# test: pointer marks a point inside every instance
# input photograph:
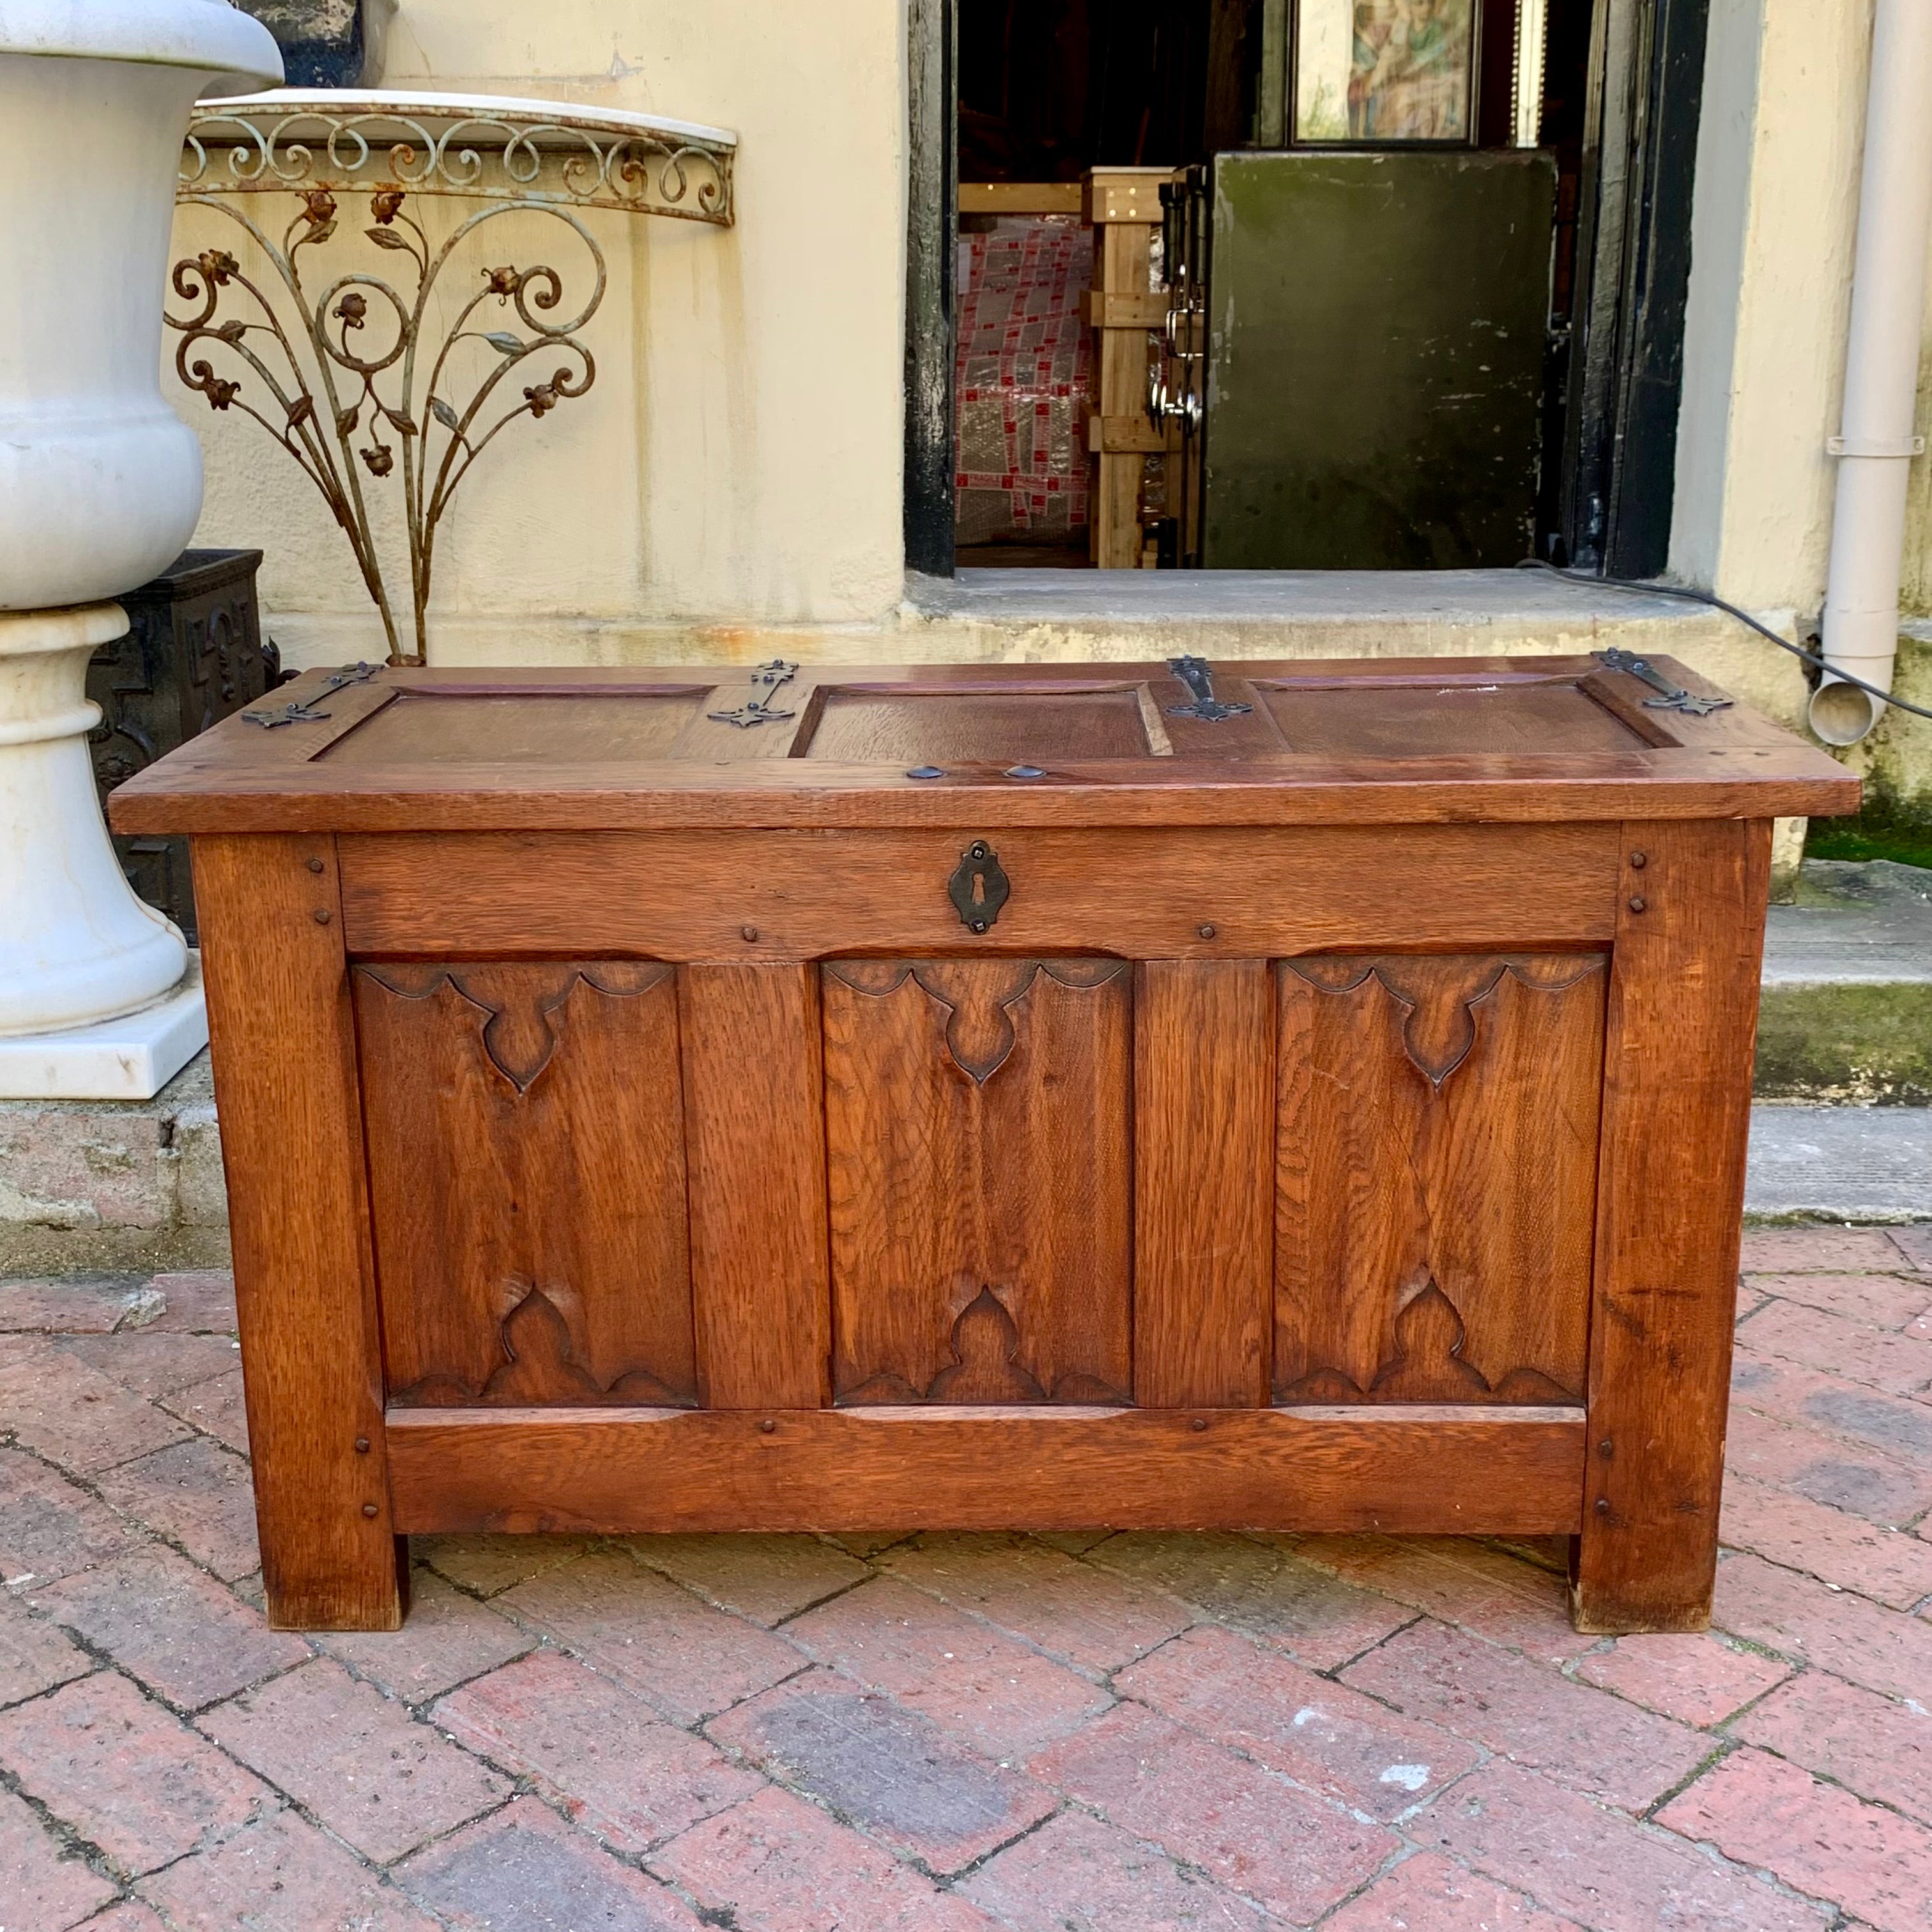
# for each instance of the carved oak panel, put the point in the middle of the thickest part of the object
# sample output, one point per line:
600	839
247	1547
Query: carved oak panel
978	1127
525	1127
1436	1185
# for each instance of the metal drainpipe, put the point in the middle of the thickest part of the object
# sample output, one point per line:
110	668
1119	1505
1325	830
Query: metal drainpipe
1877	445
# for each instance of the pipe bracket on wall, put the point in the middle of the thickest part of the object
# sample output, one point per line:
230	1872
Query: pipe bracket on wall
1849	445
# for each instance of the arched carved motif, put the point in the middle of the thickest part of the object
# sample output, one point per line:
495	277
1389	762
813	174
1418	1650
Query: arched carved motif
1440	996
548	1260
984	1368
979	1120
539	1369
1427	1365
978	996
525	1015
1436	1176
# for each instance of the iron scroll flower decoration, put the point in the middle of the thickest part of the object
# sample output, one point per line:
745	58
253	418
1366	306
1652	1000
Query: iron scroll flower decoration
370	386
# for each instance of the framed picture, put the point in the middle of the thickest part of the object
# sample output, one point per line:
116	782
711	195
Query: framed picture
1384	73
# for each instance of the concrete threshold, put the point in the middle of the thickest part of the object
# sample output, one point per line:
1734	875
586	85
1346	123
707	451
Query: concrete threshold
1050	617
1477	598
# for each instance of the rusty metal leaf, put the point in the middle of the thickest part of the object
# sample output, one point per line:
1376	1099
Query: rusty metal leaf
320	232
406	424
444	414
387	238
345	420
232	331
504	343
301	410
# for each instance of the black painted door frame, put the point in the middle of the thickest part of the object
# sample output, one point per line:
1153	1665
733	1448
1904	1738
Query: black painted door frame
932	228
1633	279
1626	352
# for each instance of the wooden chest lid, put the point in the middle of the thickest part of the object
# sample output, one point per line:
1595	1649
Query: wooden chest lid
1387	741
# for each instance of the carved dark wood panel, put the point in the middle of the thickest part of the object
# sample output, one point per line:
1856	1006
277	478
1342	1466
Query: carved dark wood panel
978	1127
1436	1182
526	1137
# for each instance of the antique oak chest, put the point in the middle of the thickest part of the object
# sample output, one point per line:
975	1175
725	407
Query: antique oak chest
1291	1096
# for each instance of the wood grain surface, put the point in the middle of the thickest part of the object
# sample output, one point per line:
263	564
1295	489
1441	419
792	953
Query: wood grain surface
1499	1472
285	1078
722	895
1682	1027
754	1100
1437	1180
978	1142
526	1159
1204	1169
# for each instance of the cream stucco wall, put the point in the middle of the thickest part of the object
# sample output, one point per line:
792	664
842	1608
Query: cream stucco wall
738	463
1781	149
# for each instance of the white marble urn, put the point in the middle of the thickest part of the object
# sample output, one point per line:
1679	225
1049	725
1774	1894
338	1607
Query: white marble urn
99	480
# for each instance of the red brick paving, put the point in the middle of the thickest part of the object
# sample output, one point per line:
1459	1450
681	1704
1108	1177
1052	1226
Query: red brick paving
449	1639
355	1759
279	1875
1873	1745
1003	1698
1250	1830
766	1578
1429	1893
1263	1590
125	1775
153	1362
214	1407
1891	1301
685	1658
78	1418
170	1626
1531	1714
131	1916
1080	1871
197	1494
602	1756
1700	1679
1816	1838
33	1656
1326	1736
884	1733
1070	1610
525	1869
885	1768
775	1864
1853	1477
41	1881
1900	1364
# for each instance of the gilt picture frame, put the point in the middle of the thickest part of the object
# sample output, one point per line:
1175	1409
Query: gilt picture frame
1384	73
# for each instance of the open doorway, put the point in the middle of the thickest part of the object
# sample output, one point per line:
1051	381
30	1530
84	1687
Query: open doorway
1048	91
1035	94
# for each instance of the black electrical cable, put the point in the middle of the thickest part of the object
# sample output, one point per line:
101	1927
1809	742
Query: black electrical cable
1684	595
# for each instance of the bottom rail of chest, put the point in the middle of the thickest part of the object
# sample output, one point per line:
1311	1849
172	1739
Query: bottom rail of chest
1410	1470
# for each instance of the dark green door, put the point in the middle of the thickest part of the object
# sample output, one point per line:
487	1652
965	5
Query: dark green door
1378	328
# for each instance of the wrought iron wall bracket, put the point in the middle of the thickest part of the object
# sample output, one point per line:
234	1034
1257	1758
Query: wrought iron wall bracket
357	377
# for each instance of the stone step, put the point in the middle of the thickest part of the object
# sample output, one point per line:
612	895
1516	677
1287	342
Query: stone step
1840	1164
1846	1014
